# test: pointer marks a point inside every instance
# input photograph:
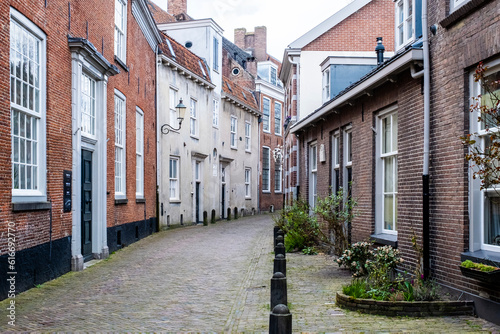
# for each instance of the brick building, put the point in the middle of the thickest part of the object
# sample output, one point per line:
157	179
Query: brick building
396	132
74	80
270	95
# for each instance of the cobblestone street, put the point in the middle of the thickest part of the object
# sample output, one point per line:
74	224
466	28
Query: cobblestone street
205	279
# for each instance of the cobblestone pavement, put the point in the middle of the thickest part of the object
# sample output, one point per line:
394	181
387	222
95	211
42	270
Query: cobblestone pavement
204	279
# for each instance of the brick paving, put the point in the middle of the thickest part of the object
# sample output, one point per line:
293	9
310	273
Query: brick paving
205	279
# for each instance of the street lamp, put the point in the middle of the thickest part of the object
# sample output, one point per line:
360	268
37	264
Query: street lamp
166	128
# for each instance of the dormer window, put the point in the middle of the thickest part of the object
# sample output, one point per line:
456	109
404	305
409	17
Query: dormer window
404	22
455	4
269	72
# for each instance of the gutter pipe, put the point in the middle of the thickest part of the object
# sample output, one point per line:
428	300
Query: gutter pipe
297	161
425	173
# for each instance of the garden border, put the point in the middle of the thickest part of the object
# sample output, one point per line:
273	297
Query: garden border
402	308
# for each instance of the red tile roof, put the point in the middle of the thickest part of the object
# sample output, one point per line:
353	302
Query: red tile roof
159	14
239	94
183	57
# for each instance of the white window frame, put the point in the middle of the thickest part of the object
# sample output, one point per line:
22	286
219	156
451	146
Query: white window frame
38	191
121	31
215	120
248	182
313	173
234	132
479	200
455	4
248	134
266	122
174	122
336	160
347	151
278	116
216	54
139	153
120	113
266	170
174	179
326	85
193	118
406	22
277	178
383	158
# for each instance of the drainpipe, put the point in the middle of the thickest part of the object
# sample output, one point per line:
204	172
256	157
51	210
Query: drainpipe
296	140
158	137
425	174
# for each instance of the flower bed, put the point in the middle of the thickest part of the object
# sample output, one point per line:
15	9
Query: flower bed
402	308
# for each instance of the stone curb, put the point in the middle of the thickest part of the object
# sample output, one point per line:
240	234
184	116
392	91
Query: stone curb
403	308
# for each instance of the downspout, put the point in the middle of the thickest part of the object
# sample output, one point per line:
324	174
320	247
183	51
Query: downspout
297	161
158	134
425	174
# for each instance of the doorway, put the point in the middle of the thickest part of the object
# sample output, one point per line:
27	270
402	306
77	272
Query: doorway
86	205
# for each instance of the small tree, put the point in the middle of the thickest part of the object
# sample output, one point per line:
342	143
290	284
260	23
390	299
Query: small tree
337	210
485	158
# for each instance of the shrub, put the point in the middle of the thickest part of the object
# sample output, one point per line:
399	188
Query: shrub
355	258
381	266
356	289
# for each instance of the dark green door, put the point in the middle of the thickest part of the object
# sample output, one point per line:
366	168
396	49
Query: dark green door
197	199
86	205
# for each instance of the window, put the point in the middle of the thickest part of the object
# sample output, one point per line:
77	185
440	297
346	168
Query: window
234	125
266	111
484	204
174	122
248	143
455	4
120	29
139	154
216	54
266	166
313	174
326	85
277	118
120	158
174	179
277	177
248	179
27	103
336	162
387	172
404	22
197	171
348	160
267	71
273	75
87	96
193	119
215	120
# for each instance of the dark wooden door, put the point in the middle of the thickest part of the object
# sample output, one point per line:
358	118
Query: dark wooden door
223	204
86	205
197	202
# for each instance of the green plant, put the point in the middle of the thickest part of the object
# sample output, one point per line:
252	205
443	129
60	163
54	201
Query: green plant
356	289
381	267
337	210
408	291
478	266
355	258
309	251
301	229
427	290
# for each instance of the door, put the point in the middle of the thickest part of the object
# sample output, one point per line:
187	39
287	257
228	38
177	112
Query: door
86	205
223	192
197	204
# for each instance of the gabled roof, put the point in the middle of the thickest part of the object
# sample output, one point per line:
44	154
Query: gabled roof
159	15
146	22
185	58
239	95
329	23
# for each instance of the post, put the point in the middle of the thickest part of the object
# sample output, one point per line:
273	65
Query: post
279	249
279	239
278	290
280	264
280	320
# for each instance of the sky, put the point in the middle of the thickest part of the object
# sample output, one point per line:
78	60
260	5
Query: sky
285	20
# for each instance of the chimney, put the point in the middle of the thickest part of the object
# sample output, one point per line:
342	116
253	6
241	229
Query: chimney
176	7
260	44
379	50
239	37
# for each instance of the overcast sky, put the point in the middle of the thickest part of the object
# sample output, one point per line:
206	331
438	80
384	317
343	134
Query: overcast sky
285	20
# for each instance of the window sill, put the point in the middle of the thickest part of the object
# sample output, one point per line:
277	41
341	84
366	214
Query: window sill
278	192
175	201
250	152
120	201
121	63
34	206
482	256
248	198
195	137
266	191
234	148
385	239
140	200
461	12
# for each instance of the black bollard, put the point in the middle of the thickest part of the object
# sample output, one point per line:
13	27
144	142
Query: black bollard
280	232
278	290
279	239
276	228
279	249
279	264
280	320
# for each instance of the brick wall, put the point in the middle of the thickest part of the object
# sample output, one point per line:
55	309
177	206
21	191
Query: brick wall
359	31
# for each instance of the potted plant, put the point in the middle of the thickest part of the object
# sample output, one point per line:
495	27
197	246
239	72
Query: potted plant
480	271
